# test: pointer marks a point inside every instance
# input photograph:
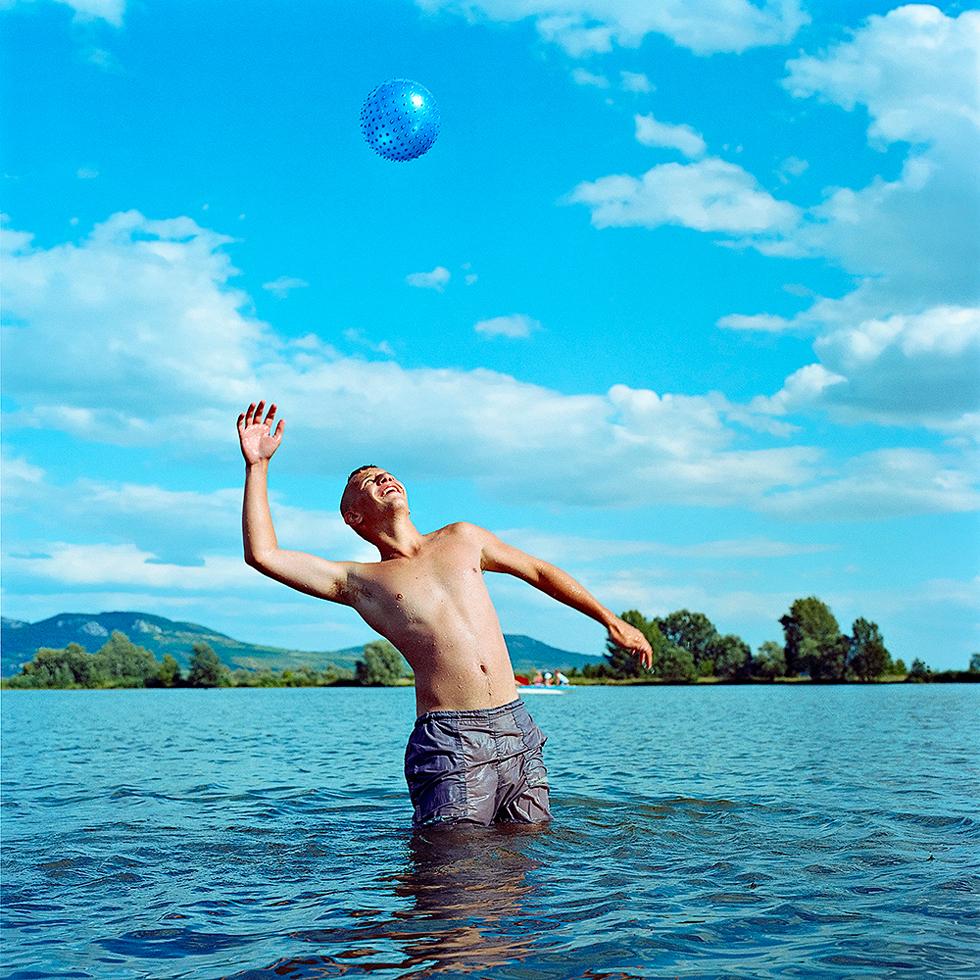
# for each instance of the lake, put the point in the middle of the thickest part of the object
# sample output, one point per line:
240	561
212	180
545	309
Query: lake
699	832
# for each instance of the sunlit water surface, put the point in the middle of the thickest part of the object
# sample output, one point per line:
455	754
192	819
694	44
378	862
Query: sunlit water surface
755	832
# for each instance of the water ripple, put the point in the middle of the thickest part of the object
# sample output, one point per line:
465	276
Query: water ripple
727	850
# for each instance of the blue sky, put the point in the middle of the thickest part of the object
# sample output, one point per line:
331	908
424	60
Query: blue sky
683	299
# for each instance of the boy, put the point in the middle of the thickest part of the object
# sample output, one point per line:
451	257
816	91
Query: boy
474	754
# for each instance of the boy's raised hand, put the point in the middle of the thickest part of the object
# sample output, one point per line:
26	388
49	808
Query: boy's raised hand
257	439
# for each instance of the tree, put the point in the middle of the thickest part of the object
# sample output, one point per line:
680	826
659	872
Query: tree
124	664
899	666
674	664
813	641
382	665
974	663
206	669
694	632
732	657
919	671
769	661
65	668
169	673
868	657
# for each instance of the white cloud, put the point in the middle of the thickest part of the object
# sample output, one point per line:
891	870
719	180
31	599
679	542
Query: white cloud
86	173
635	81
514	325
146	309
20	480
565	549
913	369
799	390
111	11
357	337
587	26
905	338
791	167
436	279
651	132
917	370
760	322
284	285
582	77
882	484
125	564
914	68
710	195
915	72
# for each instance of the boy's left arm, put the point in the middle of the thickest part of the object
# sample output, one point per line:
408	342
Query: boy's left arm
497	556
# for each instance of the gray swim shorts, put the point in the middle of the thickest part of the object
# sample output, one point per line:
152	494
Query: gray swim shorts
481	766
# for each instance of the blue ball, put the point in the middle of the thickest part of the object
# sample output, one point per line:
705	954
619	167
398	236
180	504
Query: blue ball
400	119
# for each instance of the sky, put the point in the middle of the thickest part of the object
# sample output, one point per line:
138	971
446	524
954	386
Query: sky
684	299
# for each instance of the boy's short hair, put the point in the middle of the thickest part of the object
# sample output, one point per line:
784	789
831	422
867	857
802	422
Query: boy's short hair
345	497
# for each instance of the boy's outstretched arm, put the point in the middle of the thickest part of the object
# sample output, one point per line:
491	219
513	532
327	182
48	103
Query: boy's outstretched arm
500	557
305	573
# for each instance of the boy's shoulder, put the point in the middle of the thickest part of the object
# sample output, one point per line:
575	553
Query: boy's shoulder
464	529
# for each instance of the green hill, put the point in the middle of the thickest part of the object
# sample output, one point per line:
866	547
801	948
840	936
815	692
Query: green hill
20	640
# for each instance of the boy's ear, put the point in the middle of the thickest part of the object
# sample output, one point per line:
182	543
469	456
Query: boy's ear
352	518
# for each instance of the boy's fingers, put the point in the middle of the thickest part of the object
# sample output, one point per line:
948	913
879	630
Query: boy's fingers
248	413
271	415
278	433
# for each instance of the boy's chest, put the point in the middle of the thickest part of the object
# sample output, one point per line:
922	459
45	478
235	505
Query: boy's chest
418	586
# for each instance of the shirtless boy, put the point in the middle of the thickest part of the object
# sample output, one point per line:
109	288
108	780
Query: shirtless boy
474	754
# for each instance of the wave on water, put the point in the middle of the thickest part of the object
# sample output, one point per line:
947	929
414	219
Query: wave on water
213	864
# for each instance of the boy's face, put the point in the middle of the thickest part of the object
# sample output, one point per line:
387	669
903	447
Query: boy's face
372	493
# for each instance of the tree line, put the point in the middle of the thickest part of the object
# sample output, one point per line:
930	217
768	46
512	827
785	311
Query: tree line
120	663
687	645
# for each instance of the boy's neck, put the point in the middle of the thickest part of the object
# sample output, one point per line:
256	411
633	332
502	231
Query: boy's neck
400	539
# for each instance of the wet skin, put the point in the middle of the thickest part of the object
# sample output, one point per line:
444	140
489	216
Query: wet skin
435	608
426	594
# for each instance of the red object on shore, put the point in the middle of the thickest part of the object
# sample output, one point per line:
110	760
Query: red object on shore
521	680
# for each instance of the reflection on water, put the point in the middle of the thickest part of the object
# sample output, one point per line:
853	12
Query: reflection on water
466	890
748	832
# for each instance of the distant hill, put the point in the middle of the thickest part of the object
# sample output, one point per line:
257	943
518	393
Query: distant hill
20	640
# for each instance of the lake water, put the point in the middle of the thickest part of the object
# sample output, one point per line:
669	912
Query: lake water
698	832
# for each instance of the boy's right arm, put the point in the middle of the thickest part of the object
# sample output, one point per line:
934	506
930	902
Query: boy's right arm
303	572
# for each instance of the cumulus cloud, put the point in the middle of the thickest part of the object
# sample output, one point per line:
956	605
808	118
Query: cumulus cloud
710	195
570	549
582	77
902	343
436	279
914	71
112	330
584	27
651	132
284	285
759	322
800	390
125	564
111	11
111	339
882	484
514	325
635	81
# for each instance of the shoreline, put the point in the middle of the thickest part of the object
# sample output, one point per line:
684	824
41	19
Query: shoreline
963	677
